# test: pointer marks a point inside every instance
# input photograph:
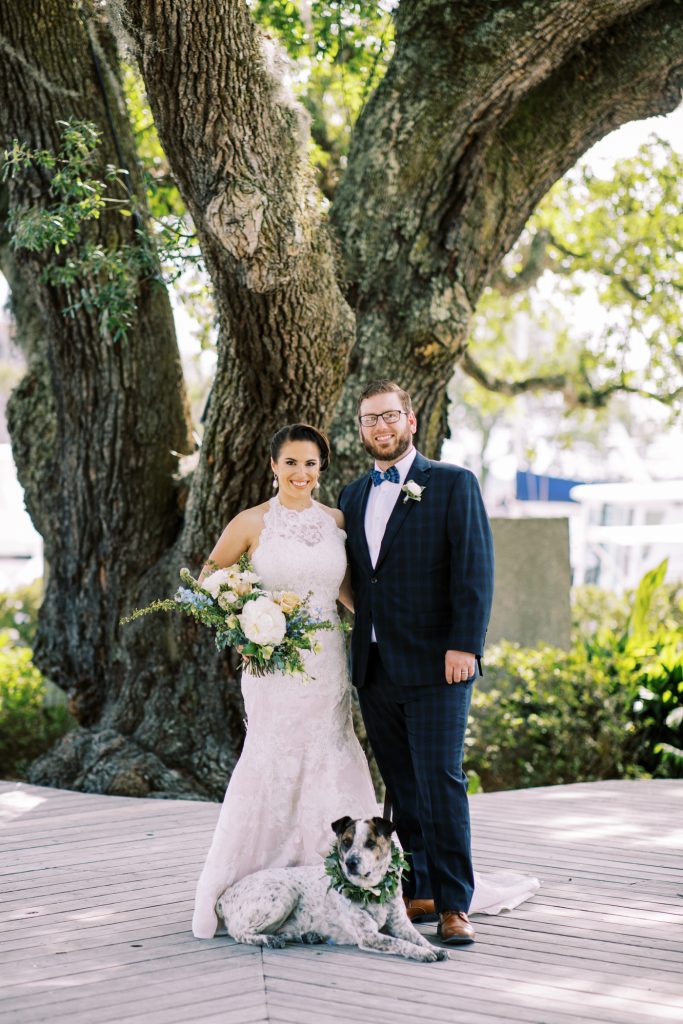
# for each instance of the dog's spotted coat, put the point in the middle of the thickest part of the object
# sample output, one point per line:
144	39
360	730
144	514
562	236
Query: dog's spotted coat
279	905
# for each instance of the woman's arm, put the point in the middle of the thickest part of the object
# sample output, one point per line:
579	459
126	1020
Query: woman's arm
236	538
345	591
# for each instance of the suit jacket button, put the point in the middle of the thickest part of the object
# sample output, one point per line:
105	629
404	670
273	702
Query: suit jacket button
373	579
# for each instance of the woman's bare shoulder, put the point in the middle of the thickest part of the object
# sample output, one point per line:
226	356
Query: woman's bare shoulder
254	514
246	523
334	513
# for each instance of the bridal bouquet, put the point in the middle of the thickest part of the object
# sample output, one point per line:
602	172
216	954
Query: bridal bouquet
269	629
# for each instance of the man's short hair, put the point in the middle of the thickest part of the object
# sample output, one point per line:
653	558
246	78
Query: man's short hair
386	387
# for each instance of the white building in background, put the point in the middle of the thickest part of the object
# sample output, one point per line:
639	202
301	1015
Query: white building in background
625	529
21	546
12	363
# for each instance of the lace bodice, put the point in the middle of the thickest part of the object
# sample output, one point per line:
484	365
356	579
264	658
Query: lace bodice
302	551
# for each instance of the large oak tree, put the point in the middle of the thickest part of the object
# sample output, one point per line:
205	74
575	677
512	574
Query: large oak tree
483	106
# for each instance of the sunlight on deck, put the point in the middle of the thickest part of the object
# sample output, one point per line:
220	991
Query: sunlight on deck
16	803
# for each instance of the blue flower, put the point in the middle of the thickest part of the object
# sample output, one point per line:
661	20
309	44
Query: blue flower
186	596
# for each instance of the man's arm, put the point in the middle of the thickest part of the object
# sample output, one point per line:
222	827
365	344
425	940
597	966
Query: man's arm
471	575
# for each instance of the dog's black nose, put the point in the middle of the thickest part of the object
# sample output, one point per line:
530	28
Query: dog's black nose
352	865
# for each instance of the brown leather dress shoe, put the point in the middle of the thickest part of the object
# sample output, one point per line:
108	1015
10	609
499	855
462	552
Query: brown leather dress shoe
420	910
455	928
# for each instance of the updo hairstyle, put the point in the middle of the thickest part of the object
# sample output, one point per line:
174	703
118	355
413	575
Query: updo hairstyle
301	432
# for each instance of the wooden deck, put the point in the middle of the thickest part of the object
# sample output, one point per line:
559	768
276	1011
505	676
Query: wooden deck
97	895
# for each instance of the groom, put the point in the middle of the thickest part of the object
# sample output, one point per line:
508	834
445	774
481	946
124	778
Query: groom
421	559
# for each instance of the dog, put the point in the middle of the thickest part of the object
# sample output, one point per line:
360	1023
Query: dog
301	904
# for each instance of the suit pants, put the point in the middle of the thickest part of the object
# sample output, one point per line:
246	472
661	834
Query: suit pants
417	736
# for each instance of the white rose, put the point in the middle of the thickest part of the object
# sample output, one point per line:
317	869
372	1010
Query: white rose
413	487
213	583
225	599
263	622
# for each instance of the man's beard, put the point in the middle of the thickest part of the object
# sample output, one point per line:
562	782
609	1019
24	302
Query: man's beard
403	443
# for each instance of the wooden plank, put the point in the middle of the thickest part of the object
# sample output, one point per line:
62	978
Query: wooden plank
522	1007
473	970
112	880
112	986
160	989
41	969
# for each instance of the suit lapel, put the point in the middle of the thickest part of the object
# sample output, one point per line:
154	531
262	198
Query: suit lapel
419	472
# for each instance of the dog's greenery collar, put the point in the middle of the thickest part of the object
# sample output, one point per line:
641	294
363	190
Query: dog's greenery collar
382	893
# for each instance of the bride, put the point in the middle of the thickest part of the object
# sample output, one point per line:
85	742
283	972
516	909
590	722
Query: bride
301	766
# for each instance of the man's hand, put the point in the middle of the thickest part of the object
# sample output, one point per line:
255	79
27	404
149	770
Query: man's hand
459	666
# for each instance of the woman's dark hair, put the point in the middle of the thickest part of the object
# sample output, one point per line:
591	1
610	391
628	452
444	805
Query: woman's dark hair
301	432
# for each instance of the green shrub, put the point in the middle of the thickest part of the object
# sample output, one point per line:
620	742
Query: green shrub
19	612
27	728
548	717
611	707
645	660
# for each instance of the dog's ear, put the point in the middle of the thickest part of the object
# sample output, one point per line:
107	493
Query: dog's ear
384	826
341	825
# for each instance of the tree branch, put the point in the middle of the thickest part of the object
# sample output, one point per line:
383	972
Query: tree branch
536	261
631	70
588	396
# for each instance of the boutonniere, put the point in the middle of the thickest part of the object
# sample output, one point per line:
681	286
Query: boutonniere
412	491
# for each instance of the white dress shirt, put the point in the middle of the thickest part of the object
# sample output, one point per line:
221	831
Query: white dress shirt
381	501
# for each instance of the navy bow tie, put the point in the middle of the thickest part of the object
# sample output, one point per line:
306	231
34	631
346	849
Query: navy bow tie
391	474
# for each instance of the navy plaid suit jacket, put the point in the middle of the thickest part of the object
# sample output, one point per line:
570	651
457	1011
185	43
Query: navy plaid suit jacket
432	587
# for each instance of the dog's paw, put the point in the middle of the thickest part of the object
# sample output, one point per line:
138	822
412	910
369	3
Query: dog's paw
430	956
274	942
312	938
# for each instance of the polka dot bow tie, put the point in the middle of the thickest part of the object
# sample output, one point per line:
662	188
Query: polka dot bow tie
391	474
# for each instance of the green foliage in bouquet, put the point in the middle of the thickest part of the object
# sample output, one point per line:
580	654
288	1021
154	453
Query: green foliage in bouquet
270	630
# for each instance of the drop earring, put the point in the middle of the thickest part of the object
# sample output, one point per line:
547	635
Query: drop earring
276	482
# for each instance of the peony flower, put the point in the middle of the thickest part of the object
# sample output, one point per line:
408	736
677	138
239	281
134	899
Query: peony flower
215	581
263	622
288	601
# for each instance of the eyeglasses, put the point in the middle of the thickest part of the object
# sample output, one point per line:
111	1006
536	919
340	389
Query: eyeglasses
390	416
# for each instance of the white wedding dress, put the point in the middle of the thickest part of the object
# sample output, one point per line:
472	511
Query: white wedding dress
302	766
